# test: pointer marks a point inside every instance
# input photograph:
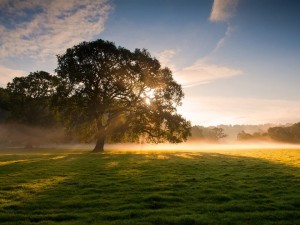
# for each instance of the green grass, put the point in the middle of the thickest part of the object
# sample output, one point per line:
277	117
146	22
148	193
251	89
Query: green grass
220	187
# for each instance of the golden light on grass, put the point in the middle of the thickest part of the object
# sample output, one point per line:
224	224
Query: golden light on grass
286	154
59	157
112	164
289	157
13	161
27	191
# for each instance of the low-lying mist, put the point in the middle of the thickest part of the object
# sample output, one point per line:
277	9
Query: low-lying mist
20	136
187	146
200	146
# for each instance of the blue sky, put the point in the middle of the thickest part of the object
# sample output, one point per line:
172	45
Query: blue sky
238	60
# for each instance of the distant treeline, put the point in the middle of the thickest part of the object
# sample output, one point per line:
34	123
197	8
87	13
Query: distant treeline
267	132
288	134
210	134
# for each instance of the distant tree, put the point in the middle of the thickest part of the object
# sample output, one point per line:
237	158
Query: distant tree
111	93
289	134
243	136
281	134
28	99
295	132
197	132
217	133
212	134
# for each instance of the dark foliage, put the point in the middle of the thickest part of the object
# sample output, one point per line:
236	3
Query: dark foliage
27	99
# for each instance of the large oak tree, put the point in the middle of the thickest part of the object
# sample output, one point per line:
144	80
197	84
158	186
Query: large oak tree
111	93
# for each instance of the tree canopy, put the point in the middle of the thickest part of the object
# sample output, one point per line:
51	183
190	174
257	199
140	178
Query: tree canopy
28	99
111	93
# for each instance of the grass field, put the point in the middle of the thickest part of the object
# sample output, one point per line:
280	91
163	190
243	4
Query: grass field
45	186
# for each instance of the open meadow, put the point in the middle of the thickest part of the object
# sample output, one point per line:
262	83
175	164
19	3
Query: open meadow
58	186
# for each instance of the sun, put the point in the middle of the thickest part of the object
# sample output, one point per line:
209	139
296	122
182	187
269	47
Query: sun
148	96
148	101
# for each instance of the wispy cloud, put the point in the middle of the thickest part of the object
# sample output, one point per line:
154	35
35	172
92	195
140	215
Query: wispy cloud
7	74
39	28
221	42
237	110
202	72
165	58
223	10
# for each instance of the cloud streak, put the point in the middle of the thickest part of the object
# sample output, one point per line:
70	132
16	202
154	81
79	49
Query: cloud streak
221	42
223	10
40	29
202	72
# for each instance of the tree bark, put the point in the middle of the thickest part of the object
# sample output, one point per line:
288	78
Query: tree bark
100	144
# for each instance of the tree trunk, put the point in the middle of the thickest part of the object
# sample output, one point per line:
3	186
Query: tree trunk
100	144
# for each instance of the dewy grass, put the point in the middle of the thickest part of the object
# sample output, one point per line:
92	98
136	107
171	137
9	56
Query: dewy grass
220	187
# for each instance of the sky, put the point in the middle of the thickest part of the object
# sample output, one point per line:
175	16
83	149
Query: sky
238	60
